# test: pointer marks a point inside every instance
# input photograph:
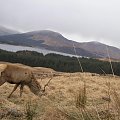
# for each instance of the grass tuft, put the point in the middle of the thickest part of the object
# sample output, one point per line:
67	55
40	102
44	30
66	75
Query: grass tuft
30	110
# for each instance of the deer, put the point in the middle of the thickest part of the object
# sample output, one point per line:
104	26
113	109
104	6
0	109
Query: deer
21	76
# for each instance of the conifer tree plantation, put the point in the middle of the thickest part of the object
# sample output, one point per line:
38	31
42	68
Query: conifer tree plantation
59	62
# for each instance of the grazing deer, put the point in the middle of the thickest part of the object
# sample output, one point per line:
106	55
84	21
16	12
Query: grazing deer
21	76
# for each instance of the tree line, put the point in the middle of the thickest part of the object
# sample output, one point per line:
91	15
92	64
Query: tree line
59	62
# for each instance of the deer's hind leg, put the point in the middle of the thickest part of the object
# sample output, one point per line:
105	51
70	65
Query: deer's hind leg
16	86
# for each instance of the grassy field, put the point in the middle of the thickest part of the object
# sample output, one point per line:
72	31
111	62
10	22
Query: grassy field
69	96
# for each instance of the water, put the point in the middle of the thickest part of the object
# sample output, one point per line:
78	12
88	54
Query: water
14	48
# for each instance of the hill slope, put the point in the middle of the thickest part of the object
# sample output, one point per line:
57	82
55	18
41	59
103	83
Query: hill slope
55	41
59	103
6	31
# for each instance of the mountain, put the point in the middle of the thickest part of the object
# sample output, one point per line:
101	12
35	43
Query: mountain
6	31
101	49
55	41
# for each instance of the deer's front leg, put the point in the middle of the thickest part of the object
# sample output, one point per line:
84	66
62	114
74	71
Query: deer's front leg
16	86
2	82
2	79
21	89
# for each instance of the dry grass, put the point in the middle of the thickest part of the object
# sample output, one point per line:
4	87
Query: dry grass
59	103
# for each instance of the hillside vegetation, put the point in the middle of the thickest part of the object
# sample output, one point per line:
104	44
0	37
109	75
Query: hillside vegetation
59	62
70	96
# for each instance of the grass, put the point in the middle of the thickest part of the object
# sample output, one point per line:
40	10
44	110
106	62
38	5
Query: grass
69	98
81	98
30	110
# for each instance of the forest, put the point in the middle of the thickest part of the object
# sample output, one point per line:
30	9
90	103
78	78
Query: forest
59	62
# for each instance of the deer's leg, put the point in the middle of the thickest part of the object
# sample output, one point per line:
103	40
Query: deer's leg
2	82
21	89
13	90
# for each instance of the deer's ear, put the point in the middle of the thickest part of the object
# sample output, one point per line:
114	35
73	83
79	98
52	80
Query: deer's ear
2	67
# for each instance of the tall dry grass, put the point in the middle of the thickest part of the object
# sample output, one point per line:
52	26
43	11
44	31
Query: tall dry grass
108	112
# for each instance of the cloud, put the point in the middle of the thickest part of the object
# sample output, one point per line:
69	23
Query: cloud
78	19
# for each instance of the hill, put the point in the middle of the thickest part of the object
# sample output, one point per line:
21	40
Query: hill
63	101
7	31
55	41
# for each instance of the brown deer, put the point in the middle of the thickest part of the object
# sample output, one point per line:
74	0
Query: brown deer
21	76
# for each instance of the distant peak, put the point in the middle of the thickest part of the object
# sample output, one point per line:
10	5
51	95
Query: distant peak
49	33
7	31
44	31
96	42
8	28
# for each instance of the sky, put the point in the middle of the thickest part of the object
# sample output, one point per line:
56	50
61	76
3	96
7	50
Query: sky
78	20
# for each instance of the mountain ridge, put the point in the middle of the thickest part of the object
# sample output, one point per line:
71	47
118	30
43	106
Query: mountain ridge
7	31
55	41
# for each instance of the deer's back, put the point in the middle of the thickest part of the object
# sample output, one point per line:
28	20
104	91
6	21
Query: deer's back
17	74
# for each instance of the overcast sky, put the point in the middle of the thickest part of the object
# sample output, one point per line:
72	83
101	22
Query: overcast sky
79	20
